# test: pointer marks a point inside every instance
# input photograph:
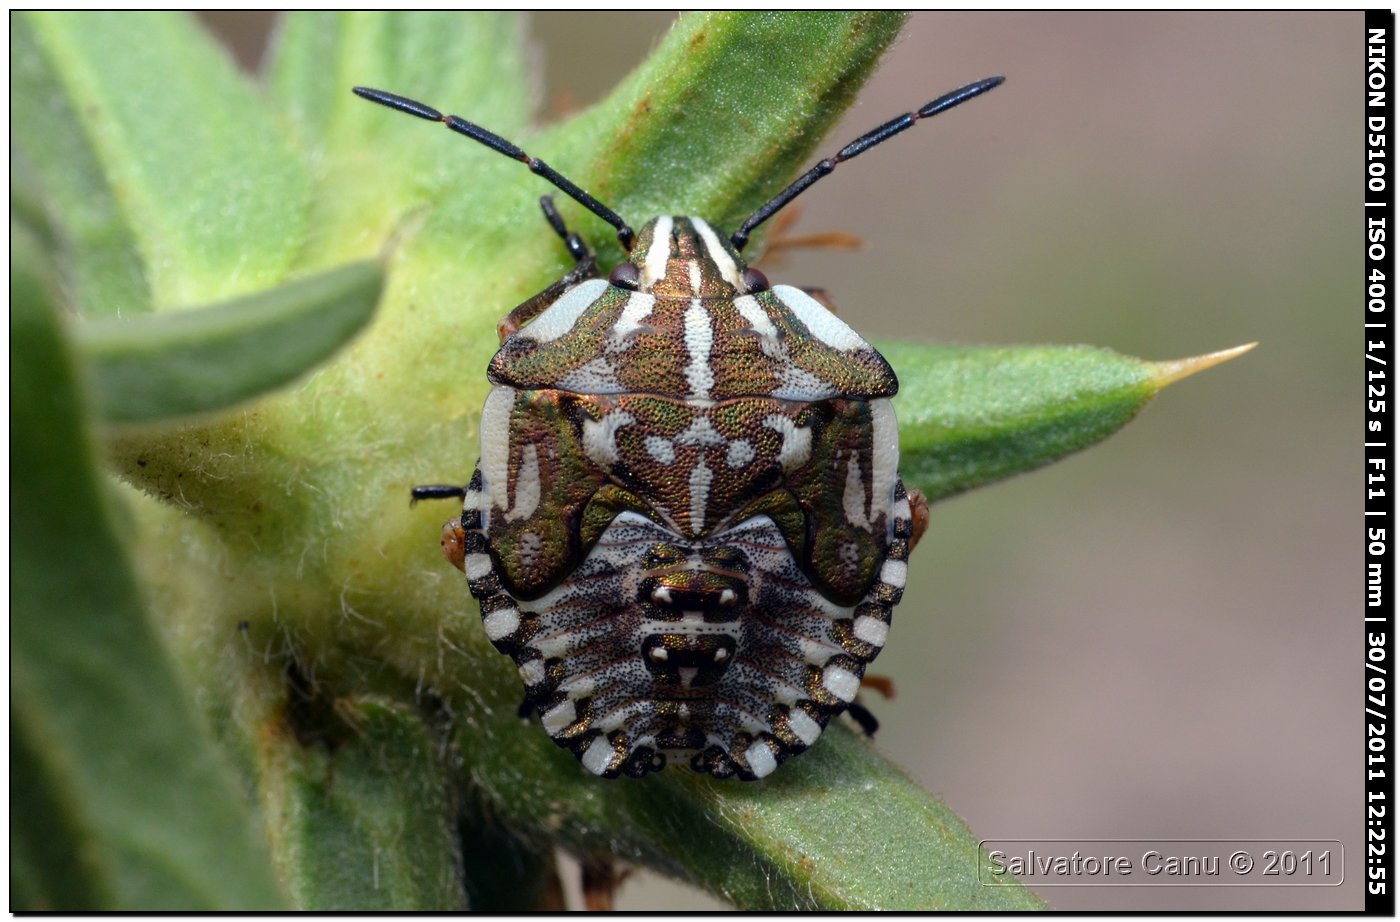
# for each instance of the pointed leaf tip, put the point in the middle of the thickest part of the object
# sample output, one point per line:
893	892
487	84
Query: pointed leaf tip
1164	373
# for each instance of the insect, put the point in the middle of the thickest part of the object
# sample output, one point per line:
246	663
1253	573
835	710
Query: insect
686	526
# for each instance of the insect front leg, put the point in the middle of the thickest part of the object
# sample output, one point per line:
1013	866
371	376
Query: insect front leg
585	267
454	536
918	510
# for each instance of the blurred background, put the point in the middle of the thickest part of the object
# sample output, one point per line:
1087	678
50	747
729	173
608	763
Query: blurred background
1161	638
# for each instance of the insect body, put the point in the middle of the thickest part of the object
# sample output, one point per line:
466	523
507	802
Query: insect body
687	526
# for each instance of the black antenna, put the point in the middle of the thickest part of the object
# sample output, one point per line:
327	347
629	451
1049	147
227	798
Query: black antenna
500	144
859	145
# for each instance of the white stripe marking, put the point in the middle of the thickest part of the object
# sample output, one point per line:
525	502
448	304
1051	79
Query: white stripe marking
478	566
595	376
723	261
853	499
661	450
694	270
495	443
884	457
700	432
700	478
740	453
820	322
749	308
638	307
527	486
654	266
559	318
699	338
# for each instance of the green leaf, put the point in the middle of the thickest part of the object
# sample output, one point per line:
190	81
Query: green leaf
123	802
175	364
970	415
472	63
60	171
164	170
362	817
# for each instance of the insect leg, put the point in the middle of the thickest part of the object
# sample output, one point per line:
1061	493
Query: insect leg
918	509
577	248
585	267
601	879
436	491
861	715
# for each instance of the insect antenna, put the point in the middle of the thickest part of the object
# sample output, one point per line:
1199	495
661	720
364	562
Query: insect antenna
499	144
861	144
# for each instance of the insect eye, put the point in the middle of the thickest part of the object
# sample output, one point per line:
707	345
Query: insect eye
754	281
625	275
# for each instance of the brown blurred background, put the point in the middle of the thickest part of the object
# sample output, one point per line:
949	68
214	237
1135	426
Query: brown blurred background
1160	638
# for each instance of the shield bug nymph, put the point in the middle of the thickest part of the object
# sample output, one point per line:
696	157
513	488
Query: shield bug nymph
686	526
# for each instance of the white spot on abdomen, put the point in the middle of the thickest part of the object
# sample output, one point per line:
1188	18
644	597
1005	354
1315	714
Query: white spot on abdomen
871	630
477	566
532	672
841	682
761	760
558	717
894	573
803	727
501	623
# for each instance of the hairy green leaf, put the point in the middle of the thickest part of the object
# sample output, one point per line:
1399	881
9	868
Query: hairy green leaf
123	801
144	133
972	415
178	363
371	166
362	808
